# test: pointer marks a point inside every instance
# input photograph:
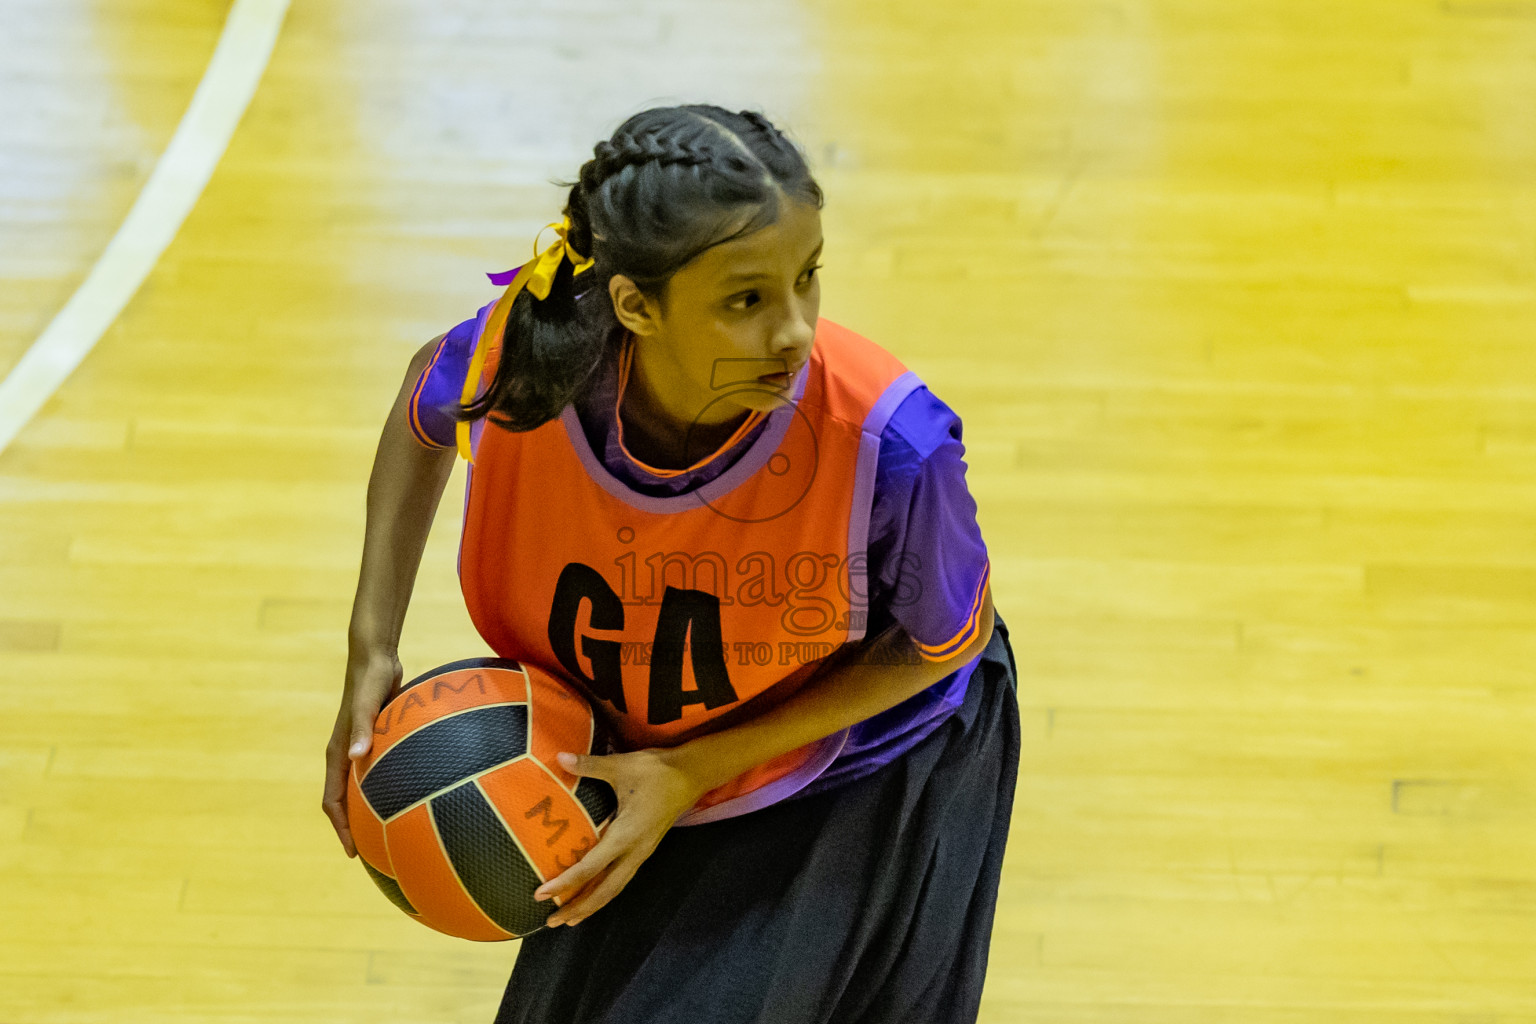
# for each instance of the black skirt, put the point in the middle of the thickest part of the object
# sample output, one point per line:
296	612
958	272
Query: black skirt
870	903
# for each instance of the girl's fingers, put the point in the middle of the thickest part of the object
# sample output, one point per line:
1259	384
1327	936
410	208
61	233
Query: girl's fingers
345	835
364	715
571	905
566	884
334	800
607	850
601	893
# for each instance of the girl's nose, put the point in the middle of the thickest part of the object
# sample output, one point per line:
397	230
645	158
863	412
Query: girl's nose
794	343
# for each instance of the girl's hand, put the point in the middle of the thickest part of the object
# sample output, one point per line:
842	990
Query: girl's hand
653	792
372	678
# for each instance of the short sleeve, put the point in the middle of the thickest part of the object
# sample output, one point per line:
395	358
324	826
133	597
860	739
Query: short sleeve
440	385
928	565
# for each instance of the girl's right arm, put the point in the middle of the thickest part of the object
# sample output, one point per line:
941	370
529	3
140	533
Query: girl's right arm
403	493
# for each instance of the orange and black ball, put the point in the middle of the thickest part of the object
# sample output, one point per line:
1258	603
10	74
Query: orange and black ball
460	809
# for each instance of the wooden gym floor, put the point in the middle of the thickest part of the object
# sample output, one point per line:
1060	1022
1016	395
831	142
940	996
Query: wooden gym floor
1237	302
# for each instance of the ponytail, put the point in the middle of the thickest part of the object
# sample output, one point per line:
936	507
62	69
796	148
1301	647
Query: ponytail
555	344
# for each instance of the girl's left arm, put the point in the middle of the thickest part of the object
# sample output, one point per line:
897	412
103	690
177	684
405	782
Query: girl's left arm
864	679
656	786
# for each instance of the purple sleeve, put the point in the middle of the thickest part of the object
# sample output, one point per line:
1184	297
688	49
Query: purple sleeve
927	562
440	385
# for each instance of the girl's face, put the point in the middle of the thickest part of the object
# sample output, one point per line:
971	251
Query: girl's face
739	322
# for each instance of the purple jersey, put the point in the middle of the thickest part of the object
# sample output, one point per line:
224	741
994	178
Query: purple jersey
927	563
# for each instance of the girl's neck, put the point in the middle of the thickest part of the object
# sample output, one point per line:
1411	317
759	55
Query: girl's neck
658	436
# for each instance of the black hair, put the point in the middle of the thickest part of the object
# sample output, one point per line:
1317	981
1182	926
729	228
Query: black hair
669	184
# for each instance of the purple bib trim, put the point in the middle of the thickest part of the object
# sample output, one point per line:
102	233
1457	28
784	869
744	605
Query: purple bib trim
763	447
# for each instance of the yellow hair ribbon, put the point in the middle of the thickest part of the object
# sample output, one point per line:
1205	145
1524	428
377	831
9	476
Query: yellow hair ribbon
537	275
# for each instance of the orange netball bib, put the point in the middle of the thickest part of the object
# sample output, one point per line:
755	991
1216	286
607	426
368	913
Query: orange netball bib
681	615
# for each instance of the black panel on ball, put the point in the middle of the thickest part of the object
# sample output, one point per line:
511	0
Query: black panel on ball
443	753
597	797
389	887
494	871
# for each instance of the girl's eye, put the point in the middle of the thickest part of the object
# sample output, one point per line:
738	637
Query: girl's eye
741	301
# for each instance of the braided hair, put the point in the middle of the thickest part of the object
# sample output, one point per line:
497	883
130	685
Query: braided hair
669	184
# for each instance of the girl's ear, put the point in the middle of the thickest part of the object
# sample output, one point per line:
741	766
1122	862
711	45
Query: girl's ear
633	309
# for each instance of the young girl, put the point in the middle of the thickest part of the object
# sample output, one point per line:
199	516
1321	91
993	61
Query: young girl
744	532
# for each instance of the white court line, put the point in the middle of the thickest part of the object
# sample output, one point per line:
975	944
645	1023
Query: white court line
244	47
